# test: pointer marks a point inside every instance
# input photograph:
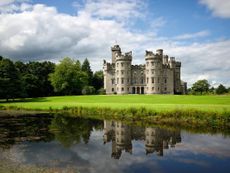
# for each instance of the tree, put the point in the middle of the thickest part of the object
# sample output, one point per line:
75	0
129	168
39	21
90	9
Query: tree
68	78
221	89
98	80
10	85
200	86
34	77
86	68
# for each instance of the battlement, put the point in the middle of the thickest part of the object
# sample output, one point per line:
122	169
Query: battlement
160	74
124	57
178	64
116	48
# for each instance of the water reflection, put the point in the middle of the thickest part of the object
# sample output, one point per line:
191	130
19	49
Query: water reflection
90	145
121	136
15	130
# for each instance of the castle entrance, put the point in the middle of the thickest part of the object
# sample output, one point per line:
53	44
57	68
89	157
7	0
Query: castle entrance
142	90
133	90
138	90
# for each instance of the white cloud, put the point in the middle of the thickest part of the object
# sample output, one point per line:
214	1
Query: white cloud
220	8
10	6
42	33
119	9
192	35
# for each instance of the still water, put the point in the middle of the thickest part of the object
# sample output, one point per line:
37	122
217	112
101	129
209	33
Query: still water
90	145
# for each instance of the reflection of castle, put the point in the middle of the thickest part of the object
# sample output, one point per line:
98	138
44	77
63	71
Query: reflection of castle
121	135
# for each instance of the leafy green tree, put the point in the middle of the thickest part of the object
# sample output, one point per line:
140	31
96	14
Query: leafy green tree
98	80
86	68
68	78
200	86
10	85
221	89
34	76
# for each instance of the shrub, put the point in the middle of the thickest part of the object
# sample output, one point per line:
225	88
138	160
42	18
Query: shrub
101	91
88	90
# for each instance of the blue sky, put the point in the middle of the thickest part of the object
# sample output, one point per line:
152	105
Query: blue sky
196	32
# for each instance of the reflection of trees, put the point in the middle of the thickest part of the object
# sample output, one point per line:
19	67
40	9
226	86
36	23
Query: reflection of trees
69	130
24	128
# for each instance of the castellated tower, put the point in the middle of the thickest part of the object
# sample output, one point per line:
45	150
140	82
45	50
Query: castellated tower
123	72
116	50
159	75
154	72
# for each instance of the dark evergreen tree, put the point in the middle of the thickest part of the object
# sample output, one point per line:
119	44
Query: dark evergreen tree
86	68
10	85
221	89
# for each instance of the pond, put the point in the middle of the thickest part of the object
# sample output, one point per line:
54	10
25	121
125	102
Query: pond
62	143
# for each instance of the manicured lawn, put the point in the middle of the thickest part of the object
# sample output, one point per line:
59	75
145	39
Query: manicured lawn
156	102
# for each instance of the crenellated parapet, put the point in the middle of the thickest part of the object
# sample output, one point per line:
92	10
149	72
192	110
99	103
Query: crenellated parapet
160	74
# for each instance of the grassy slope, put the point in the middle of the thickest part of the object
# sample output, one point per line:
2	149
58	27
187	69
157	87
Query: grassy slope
156	102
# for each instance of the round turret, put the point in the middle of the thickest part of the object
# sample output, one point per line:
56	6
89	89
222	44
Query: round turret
153	73
123	72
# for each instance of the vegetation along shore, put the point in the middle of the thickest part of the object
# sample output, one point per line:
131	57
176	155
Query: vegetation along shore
161	109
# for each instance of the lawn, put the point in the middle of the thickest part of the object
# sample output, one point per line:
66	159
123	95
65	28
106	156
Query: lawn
156	102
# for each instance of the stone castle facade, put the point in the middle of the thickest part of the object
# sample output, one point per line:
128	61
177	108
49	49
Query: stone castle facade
159	75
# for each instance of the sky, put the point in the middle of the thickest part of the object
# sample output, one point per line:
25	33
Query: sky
196	32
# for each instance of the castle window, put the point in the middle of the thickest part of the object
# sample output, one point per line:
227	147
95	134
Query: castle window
158	88
117	64
152	71
165	88
147	80
112	81
122	64
152	79
128	88
165	80
122	89
152	63
128	81
112	89
158	80
152	88
142	80
122	80
122	71
117	80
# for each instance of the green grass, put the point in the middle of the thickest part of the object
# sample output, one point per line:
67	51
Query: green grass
153	102
179	110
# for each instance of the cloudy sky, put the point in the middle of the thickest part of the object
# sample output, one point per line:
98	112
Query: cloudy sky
196	32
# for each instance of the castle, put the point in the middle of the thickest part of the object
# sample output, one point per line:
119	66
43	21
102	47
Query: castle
159	75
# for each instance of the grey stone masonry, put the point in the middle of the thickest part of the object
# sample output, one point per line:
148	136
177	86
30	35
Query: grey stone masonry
159	75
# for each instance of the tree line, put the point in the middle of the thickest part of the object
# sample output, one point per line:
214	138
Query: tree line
39	79
201	87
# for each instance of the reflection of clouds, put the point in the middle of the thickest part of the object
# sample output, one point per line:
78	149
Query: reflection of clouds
196	162
196	150
213	145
